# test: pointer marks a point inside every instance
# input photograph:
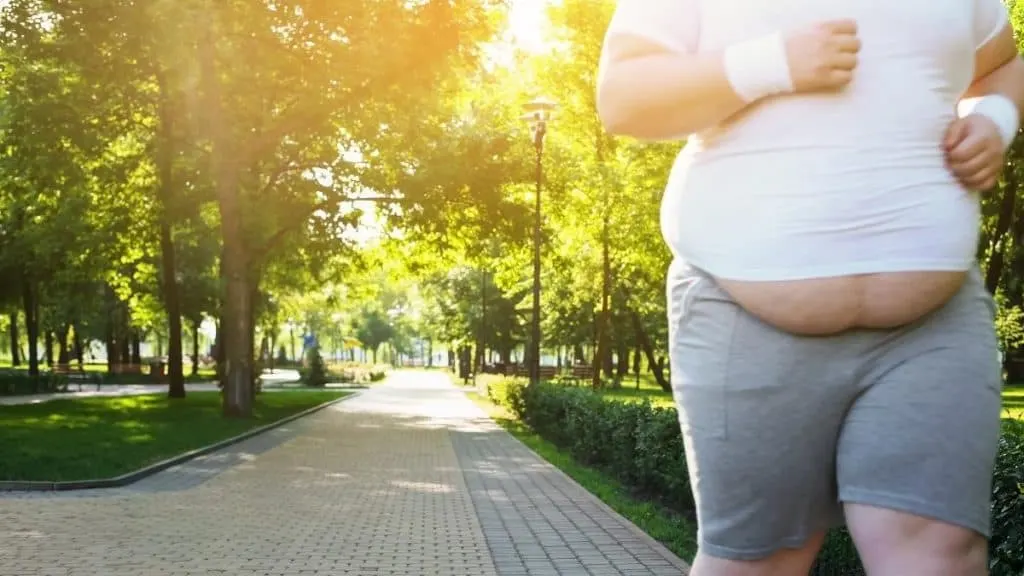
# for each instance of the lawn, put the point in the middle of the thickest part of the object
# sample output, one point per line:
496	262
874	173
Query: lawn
674	531
204	375
86	438
1013	401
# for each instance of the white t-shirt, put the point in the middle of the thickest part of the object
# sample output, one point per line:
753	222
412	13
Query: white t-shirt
818	185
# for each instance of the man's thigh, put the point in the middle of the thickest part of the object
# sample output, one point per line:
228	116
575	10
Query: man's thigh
922	436
761	412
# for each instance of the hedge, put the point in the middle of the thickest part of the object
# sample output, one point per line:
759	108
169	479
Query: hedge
16	383
641	446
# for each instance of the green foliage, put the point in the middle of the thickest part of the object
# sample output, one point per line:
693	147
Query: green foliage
1009	324
378	373
1007	545
17	383
373	329
314	369
641	446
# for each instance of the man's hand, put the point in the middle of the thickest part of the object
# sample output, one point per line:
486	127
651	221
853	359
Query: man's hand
974	151
823	56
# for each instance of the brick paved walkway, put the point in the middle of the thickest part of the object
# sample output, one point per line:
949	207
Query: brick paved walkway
408	478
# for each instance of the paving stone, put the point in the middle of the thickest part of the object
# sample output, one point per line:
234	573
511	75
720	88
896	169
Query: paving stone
521	498
408	478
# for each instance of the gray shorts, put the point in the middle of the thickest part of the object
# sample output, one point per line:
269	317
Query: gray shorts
781	429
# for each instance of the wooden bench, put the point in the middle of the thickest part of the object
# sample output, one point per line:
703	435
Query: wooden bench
580	373
75	374
126	369
546	372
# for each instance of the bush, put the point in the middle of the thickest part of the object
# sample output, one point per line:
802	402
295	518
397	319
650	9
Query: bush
314	370
17	383
642	447
1006	549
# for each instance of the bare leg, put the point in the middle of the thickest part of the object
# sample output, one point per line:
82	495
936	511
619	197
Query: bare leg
894	543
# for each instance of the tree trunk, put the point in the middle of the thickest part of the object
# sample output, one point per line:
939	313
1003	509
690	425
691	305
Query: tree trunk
110	342
28	299
636	366
237	379
79	347
165	194
48	342
622	367
603	355
218	349
607	360
273	351
15	355
250	341
645	345
195	347
64	353
994	270
126	346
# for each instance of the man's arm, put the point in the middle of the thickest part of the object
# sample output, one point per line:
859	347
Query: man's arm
989	111
998	69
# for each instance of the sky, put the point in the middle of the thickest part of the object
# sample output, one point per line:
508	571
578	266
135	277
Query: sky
526	21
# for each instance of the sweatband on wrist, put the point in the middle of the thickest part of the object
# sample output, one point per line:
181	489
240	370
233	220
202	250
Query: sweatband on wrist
997	108
758	68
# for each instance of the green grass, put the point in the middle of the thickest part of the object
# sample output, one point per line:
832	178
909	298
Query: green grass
101	367
674	531
85	438
1013	402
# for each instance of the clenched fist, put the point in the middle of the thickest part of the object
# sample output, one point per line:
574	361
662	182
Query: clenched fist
823	56
974	151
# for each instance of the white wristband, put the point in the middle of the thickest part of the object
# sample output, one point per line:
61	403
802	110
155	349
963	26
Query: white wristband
997	108
758	68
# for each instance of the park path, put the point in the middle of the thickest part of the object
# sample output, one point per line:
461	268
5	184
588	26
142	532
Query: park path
407	478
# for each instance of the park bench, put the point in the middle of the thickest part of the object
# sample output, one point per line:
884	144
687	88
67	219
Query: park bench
546	372
580	373
126	369
69	373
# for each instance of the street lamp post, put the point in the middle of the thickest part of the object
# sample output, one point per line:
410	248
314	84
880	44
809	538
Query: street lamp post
538	114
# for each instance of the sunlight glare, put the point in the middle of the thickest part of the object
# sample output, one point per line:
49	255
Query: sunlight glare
527	23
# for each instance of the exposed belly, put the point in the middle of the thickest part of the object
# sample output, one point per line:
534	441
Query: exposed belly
825	306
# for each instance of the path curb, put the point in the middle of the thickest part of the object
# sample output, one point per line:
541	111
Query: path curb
136	475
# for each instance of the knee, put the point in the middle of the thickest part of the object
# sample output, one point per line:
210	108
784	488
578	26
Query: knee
913	545
940	556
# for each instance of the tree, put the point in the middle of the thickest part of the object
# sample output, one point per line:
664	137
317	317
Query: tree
374	329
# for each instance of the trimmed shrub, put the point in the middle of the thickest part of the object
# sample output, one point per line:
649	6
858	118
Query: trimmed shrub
1006	548
314	370
378	373
18	382
641	446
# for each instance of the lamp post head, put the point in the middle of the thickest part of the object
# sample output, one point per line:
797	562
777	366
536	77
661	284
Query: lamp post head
537	114
539	108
